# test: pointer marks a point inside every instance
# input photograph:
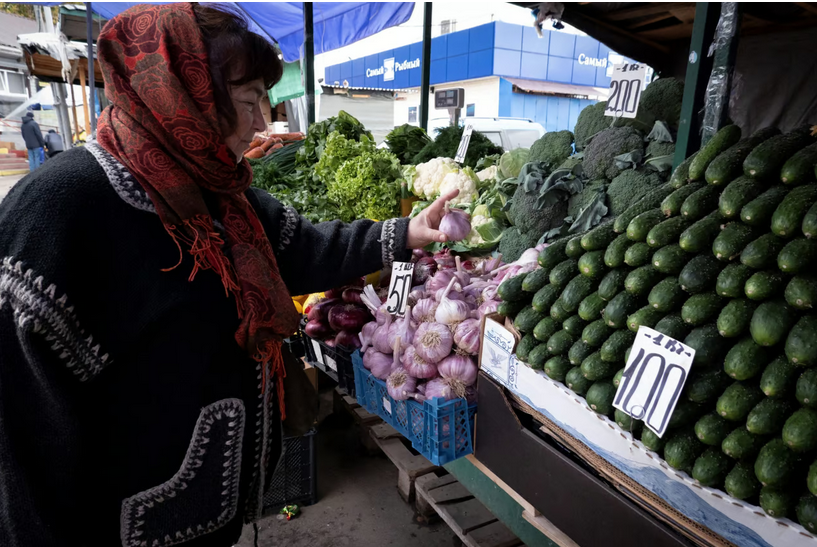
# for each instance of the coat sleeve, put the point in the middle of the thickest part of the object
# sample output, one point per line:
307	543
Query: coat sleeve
317	257
39	135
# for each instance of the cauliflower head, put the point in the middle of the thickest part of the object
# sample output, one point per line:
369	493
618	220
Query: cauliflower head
488	173
463	181
474	239
429	176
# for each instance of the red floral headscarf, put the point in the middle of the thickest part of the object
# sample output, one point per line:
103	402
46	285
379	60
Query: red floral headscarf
163	126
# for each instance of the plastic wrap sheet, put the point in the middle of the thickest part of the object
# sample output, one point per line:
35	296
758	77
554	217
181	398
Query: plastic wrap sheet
716	100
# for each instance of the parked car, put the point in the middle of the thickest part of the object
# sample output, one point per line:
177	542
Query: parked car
509	133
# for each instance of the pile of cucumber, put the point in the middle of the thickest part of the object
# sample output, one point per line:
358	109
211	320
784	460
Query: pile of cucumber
724	258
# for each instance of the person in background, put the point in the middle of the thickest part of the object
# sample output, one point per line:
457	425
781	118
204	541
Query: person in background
53	142
34	140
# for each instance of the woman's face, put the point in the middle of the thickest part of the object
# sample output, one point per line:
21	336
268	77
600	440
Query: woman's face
249	120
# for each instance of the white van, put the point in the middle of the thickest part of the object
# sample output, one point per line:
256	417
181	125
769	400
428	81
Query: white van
509	133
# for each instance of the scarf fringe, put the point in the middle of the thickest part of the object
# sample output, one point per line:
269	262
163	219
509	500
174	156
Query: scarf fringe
272	363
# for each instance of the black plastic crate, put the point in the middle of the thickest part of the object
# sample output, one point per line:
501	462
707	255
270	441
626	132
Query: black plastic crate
295	344
296	478
334	362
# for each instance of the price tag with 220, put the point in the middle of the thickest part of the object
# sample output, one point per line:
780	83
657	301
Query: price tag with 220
653	378
399	288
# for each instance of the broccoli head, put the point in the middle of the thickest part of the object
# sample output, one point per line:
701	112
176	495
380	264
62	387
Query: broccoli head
582	199
656	149
591	120
661	100
630	186
514	243
570	163
525	215
552	148
599	156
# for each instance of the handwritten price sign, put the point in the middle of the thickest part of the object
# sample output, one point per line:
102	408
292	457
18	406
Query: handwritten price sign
462	150
626	86
653	378
399	288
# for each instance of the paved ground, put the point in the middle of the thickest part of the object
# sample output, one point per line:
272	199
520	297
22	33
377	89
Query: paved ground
358	503
6	183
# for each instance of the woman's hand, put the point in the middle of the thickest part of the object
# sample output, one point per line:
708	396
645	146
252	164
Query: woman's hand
423	229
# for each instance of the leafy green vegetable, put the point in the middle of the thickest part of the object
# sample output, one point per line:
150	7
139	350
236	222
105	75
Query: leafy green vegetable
448	141
344	123
510	163
406	141
337	150
366	186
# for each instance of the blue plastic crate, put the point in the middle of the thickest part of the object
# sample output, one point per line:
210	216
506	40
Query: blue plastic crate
440	430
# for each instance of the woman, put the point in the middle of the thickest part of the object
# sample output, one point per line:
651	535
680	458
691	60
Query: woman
144	293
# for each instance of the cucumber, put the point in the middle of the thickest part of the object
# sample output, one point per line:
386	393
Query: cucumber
614	255
527	319
801	344
735	317
599	237
574	325
558	312
591	265
667	295
612	283
556	368
800	430
613	349
510	309
640	226
788	218
538	356
719	143
699	237
764	285
812	478
600	397
707	385
596	333
799	168
510	290
652	441
738	193
535	280
798	256
729	165
671	206
708	345
673	326
546	328
734	237
772	322
711	429
777	502
670	260
759	211
746	360
591	307
579	351
619	308
742	445
762	252
627	423
545	297
641	280
638	255
766	160
682	449
667	232
680	177
807	512
594	368
701	308
525	346
779	378
563	272
575	381
805	390
741	482
732	280
711	468
574	247
560	342
700	274
619	375
647	316
686	413
809	225
650	201
701	202
738	400
801	292
768	416
579	288
553	254
775	464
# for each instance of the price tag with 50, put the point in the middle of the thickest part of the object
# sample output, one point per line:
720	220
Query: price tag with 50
653	378
399	288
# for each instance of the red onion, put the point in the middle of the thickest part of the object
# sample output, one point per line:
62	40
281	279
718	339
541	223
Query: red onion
333	293
330	342
424	310
348	317
320	311
317	329
458	367
433	341
423	269
417	254
400	385
366	335
455	224
348	339
380	340
416	366
351	295
466	336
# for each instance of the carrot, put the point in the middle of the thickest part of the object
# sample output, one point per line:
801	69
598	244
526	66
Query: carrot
255	153
267	145
256	142
289	136
277	146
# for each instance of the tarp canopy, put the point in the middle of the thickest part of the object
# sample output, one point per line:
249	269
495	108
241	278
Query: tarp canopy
336	24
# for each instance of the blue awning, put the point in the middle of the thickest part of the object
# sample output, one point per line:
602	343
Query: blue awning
336	24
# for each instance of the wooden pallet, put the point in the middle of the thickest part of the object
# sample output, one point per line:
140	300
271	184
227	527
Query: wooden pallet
473	523
409	466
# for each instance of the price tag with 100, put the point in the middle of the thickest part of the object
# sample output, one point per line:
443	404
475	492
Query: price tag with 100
653	378
399	288
626	85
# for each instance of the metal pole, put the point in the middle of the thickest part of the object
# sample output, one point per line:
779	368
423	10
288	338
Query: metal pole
89	19
425	66
309	64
